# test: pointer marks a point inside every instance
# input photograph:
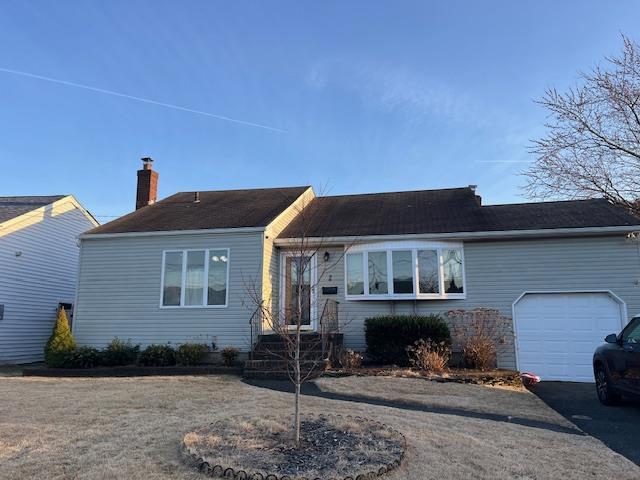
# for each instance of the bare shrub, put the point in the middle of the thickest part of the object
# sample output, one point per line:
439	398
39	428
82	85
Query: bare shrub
350	359
478	333
229	355
429	355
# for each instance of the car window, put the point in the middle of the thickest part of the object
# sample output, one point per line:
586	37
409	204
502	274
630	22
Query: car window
631	334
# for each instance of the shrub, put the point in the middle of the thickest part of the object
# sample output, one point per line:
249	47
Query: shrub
157	356
229	355
429	356
191	353
478	333
83	357
388	337
60	343
350	359
119	352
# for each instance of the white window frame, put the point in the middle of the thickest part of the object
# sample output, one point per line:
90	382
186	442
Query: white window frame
205	284
414	247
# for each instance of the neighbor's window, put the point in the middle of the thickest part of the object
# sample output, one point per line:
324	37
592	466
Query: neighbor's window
377	273
195	278
423	270
355	276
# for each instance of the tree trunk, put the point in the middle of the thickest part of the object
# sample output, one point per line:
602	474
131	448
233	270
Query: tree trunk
297	377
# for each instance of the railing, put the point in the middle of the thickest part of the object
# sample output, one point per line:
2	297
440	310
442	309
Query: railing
255	323
329	325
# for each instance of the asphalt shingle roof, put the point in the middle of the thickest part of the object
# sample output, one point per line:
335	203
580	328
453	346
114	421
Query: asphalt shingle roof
12	207
445	211
216	209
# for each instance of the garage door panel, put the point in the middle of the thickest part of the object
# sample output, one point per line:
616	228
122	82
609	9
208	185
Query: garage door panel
557	333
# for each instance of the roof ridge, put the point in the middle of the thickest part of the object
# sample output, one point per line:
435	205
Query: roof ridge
397	191
242	190
548	202
34	196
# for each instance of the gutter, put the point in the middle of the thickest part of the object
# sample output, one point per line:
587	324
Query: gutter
204	231
487	235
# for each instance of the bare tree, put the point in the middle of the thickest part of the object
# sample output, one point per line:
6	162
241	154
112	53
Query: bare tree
592	147
304	275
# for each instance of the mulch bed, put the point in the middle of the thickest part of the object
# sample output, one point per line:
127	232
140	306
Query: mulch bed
508	378
332	446
130	371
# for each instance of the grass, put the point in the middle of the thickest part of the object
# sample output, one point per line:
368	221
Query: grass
131	428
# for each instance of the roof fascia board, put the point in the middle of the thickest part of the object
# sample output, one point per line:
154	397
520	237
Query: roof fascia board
504	234
203	231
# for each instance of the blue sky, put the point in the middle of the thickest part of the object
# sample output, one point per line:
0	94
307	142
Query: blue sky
349	96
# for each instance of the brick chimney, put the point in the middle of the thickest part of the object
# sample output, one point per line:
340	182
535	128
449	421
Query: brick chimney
147	191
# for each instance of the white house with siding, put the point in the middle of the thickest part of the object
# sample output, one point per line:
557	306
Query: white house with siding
38	269
186	268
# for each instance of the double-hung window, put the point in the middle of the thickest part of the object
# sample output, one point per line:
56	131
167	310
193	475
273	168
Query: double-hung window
195	278
405	270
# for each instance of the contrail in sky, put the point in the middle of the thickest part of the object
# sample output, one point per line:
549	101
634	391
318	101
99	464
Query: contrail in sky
143	100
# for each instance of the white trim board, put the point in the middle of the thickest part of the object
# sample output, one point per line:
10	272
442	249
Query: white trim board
506	234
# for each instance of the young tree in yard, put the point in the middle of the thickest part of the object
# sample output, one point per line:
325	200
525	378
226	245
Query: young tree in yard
302	274
592	148
60	342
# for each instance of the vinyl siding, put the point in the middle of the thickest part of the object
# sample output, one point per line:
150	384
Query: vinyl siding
119	291
498	272
43	275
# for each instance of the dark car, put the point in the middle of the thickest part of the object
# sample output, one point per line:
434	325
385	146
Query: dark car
616	365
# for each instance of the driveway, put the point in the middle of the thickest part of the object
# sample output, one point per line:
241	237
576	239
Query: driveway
617	427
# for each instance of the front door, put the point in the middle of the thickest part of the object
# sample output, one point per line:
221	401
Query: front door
297	303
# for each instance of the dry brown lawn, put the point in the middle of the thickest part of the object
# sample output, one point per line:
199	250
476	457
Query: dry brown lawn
131	428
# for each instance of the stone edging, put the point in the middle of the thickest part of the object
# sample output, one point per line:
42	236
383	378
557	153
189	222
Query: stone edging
191	457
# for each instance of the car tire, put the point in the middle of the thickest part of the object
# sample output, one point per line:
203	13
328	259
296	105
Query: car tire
606	394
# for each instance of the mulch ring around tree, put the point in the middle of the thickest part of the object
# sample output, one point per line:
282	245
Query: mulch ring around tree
332	447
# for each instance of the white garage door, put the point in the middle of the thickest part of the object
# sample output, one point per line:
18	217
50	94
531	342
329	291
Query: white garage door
557	333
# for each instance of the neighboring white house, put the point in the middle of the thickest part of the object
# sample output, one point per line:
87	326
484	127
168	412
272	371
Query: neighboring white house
565	274
38	269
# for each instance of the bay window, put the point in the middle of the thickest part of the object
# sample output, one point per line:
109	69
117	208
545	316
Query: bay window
402	267
195	278
355	275
405	270
377	273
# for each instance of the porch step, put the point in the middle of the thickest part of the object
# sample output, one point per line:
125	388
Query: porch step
270	352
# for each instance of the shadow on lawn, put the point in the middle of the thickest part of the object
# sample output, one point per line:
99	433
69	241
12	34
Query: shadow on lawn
311	389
